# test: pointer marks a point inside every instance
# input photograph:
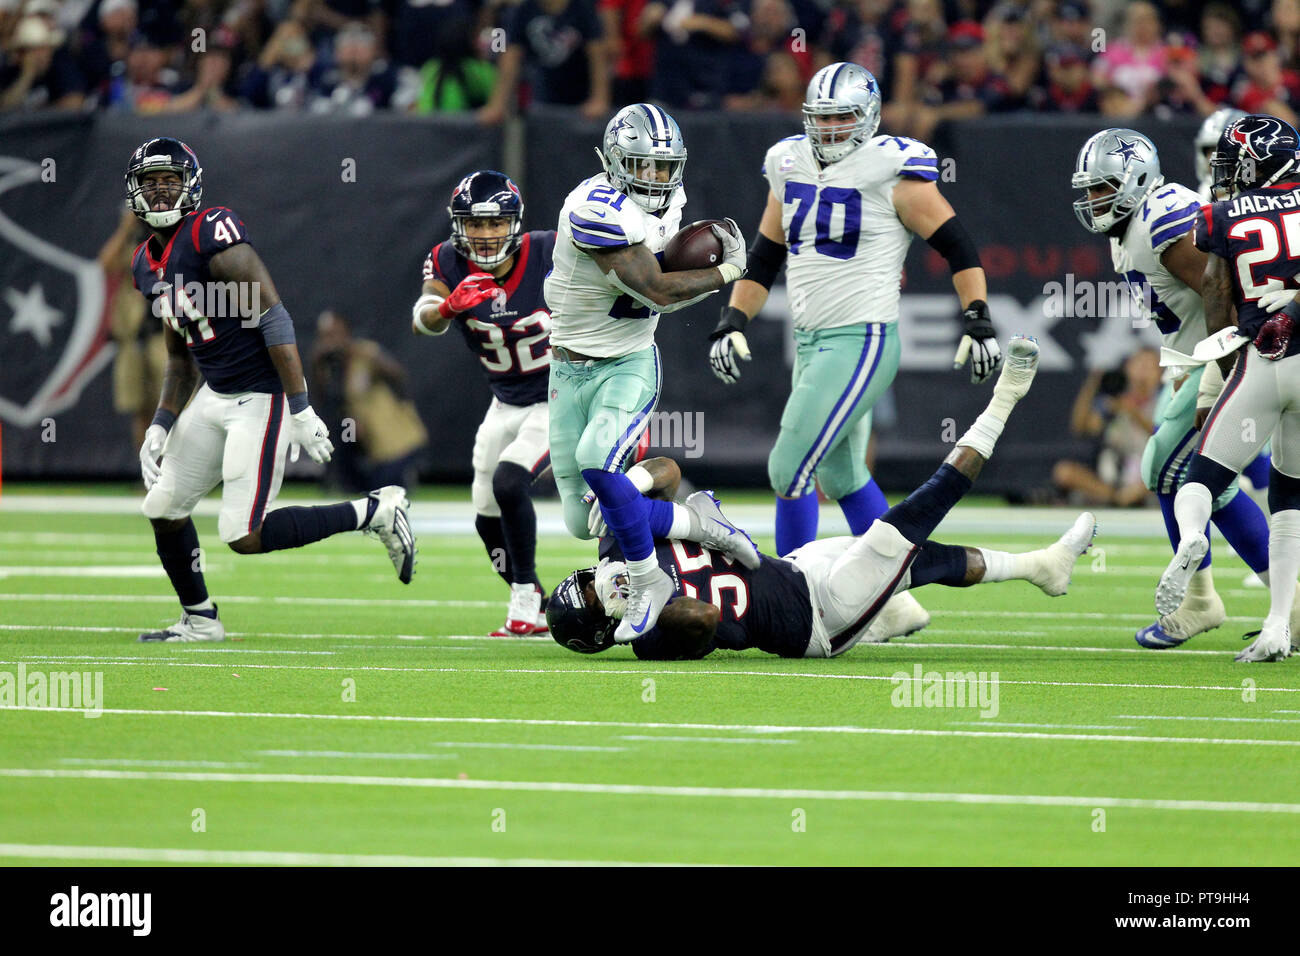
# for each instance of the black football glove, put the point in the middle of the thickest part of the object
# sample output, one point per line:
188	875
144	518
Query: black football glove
729	344
979	343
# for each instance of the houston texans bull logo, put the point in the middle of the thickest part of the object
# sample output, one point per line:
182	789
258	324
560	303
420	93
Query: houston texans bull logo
1255	142
53	333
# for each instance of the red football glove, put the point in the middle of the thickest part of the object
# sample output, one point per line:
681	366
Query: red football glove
475	289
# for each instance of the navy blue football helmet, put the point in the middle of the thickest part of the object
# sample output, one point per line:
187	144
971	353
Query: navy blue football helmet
575	624
164	153
486	194
1254	152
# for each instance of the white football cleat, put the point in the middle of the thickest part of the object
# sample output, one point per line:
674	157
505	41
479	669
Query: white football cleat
1273	644
901	615
190	629
525	608
390	523
1173	583
1056	562
644	606
1196	615
1019	367
720	534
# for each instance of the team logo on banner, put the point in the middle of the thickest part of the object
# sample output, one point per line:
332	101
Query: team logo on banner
53	333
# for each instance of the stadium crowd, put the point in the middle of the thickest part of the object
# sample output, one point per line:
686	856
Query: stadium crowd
936	59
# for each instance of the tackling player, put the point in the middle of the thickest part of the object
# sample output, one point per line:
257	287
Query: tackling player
1149	224
843	206
198	270
488	281
820	599
606	292
1253	266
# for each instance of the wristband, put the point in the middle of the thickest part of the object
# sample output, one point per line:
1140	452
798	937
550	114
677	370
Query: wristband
165	418
298	402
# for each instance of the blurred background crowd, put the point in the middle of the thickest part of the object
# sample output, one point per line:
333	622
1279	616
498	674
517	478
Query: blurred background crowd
936	59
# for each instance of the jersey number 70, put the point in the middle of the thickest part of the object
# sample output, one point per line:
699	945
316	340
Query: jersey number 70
804	195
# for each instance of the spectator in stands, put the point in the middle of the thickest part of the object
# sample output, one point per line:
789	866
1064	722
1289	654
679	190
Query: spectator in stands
325	18
1220	52
424	30
962	86
148	83
1067	87
1179	91
103	55
1266	87
358	82
922	42
1012	52
696	40
631	48
857	31
1285	18
1127	72
759	75
212	76
558	47
42	73
1071	24
286	70
455	82
360	391
1116	410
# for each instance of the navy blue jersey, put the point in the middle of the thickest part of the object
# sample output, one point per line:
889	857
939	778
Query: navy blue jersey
512	338
769	609
1258	233
206	313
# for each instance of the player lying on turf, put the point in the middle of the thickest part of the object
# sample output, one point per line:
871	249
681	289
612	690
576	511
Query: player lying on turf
234	430
820	599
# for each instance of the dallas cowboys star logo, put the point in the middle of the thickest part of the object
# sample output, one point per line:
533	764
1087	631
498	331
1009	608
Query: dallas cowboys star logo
1125	151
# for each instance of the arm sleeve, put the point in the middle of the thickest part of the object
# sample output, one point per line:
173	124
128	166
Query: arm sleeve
916	160
1172	218
1203	231
217	229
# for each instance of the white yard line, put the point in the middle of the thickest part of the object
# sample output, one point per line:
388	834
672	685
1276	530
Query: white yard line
649	790
476	745
663	725
705	740
121	762
134	854
251	599
1227	720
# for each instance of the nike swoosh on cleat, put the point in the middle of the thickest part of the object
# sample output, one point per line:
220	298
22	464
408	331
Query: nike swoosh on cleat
641	627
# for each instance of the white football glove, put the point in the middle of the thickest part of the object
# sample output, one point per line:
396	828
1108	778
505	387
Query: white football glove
734	256
306	430
1277	299
150	452
979	344
724	354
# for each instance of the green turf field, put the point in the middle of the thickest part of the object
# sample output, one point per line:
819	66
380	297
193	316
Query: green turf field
350	719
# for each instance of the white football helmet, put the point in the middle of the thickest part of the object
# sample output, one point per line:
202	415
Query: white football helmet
1207	137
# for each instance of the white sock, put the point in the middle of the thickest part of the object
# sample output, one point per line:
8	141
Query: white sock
641	479
362	506
1283	563
640	573
683	522
1004	566
1192	506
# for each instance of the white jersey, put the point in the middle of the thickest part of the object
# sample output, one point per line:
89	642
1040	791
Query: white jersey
589	313
1166	215
846	243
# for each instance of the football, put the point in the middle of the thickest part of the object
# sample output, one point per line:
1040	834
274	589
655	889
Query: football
694	247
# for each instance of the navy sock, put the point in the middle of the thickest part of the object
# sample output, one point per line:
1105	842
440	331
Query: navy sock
510	487
1244	527
917	515
796	522
863	507
293	527
179	553
1257	470
939	564
660	514
625	512
494	540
